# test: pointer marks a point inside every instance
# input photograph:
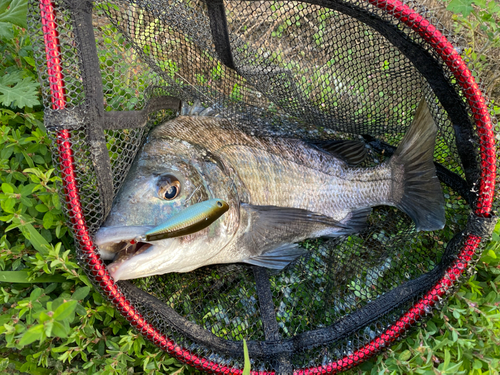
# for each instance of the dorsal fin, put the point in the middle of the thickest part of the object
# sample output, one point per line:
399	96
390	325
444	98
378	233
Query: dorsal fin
352	152
198	109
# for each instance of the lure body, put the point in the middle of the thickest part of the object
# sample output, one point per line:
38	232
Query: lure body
188	221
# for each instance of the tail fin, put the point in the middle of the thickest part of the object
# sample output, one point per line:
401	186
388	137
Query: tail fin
417	191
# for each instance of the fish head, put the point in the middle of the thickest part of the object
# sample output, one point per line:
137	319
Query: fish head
167	176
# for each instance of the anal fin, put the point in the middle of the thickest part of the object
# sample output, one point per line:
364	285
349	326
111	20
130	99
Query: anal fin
355	222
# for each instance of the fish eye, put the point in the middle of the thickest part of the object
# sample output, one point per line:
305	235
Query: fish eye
169	188
219	204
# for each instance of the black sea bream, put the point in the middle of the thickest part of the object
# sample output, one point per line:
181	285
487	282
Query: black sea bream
279	192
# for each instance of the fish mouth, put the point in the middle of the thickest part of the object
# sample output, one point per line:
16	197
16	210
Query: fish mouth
127	255
129	250
119	244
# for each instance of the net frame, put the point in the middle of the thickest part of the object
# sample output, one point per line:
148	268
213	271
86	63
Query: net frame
475	232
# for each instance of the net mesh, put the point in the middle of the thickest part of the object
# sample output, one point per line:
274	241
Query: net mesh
330	70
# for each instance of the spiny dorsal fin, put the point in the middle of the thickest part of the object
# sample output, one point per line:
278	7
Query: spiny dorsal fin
352	152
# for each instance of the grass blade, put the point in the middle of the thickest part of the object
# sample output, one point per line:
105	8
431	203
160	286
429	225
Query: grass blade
22	277
246	368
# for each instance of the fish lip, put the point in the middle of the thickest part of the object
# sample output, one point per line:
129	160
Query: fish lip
127	253
113	240
116	243
109	236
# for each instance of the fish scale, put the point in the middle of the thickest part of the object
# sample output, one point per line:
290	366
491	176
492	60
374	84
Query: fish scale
274	180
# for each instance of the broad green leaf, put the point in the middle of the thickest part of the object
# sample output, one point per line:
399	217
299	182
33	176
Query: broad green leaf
447	358
7	218
493	7
7	188
27	189
30	60
41	208
55	201
4	363
44	317
6	152
32	334
48	327
28	159
22	277
5	319
65	310
59	349
80	293
36	238
38	159
35	171
461	6
6	32
453	368
8	205
15	13
477	364
480	3
19	176
26	202
59	329
18	91
80	310
48	220
404	356
37	292
12	226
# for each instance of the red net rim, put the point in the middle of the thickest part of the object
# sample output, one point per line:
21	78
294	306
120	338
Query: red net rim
476	103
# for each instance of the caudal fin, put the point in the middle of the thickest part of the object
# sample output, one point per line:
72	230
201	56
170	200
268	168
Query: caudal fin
417	190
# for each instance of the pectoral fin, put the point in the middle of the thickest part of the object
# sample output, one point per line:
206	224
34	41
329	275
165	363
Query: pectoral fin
273	231
274	220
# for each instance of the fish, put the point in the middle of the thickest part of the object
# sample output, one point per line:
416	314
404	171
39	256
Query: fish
279	191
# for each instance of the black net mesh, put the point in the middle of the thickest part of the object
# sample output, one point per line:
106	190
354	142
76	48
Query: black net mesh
318	70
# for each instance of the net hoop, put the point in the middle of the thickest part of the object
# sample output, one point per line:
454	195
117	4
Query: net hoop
477	105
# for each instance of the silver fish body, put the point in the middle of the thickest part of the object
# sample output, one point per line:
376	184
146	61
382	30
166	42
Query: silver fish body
279	192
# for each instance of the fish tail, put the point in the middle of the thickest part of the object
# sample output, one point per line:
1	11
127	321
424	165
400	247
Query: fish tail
416	188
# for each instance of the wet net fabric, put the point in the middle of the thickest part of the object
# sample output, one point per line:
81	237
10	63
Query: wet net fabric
318	70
